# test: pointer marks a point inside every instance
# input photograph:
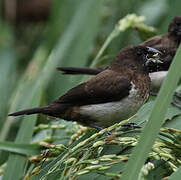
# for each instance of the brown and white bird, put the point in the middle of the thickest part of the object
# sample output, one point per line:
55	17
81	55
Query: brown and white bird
109	97
167	44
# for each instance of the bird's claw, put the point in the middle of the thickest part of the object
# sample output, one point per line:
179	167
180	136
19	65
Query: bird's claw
129	126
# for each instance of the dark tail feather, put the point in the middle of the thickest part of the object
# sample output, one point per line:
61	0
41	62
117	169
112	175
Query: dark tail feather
81	70
42	110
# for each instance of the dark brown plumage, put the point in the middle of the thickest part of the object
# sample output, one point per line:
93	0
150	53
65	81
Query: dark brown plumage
80	70
117	92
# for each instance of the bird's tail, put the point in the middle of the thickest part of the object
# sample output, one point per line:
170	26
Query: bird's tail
43	110
80	70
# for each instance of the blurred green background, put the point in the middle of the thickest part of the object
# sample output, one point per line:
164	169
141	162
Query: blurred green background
39	35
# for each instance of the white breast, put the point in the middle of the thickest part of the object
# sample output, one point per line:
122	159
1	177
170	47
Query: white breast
157	80
106	113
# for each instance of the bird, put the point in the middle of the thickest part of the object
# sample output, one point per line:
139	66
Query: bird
167	43
111	96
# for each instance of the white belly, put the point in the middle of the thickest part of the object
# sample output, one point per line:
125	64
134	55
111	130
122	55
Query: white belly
157	79
106	113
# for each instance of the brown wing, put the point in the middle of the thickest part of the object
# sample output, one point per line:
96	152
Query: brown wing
98	90
154	41
160	41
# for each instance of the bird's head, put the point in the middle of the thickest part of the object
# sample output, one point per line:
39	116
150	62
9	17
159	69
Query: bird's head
139	57
143	57
175	27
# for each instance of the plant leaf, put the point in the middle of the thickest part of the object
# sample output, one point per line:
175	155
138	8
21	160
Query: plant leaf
24	149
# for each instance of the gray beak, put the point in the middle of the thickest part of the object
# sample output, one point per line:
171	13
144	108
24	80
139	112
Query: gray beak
153	51
153	57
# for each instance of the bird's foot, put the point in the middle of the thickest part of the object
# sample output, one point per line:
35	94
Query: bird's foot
129	126
100	128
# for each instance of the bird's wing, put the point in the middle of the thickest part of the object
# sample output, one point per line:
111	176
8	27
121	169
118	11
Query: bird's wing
98	90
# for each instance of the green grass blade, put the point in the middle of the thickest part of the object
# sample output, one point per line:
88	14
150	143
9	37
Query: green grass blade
24	149
63	9
75	56
7	67
74	30
155	122
8	61
25	89
176	175
24	136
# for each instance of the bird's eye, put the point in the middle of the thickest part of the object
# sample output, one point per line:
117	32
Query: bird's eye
178	23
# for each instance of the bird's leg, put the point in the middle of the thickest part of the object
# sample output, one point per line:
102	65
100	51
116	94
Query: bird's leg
96	127
129	126
99	128
44	156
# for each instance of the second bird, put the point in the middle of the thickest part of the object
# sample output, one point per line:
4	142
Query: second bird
167	43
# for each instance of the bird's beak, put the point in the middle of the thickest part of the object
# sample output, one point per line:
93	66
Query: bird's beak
153	57
154	52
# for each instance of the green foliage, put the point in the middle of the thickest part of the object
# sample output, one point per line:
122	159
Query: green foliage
80	33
